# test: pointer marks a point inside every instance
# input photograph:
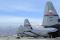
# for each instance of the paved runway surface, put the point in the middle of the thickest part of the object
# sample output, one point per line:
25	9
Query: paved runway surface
14	38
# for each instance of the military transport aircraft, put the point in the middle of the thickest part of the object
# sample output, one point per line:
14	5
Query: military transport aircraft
27	30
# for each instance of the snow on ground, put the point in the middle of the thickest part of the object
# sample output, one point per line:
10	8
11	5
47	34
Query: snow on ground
14	38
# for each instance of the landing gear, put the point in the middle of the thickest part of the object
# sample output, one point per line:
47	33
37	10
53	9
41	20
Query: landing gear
17	37
52	36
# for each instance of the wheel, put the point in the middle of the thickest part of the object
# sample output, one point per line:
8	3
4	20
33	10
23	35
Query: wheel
17	37
53	36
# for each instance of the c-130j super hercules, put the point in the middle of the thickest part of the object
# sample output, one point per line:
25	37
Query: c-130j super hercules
51	24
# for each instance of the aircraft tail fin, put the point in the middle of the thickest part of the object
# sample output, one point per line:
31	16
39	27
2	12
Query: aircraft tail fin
27	24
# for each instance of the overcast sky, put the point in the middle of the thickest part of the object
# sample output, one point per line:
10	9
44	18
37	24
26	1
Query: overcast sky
15	11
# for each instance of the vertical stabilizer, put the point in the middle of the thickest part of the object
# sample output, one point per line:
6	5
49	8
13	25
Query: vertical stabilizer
50	10
50	15
27	24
